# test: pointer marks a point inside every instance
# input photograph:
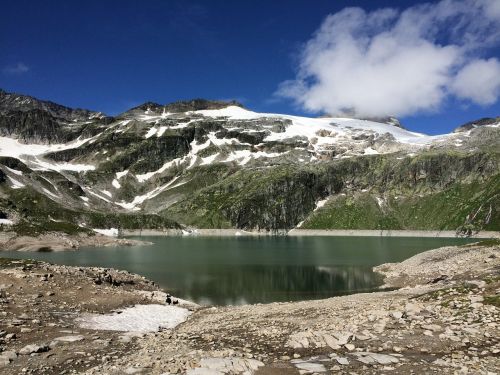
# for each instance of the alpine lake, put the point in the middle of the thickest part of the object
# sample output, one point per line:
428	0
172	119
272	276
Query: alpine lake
244	270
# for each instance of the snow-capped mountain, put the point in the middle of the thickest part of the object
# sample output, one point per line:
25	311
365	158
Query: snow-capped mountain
217	164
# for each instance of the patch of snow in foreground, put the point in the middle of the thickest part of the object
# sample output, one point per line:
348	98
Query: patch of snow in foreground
140	318
112	232
6	222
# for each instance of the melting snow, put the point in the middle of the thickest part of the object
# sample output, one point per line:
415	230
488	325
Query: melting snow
380	201
151	132
116	184
147	176
44	165
141	198
140	318
371	151
12	147
16	184
161	131
112	232
49	193
320	203
121	174
108	193
85	199
6	222
15	171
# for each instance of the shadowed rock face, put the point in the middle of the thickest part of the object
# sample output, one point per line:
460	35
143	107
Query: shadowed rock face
477	123
36	121
155	166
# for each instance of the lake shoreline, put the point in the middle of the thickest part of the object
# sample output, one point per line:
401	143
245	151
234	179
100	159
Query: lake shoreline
297	232
55	241
444	317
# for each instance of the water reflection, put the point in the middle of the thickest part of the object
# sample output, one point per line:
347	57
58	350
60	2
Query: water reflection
254	284
237	270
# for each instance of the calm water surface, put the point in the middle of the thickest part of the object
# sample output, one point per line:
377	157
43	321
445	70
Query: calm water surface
239	270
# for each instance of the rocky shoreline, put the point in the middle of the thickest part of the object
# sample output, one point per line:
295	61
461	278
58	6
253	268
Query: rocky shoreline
305	232
444	318
56	241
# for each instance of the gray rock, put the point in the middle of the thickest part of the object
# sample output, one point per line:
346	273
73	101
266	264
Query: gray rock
33	348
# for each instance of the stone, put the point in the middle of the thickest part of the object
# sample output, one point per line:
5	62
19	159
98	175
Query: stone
370	358
65	339
432	327
342	361
396	314
33	348
350	347
310	366
7	357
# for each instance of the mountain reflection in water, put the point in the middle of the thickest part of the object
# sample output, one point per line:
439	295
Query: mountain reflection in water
239	270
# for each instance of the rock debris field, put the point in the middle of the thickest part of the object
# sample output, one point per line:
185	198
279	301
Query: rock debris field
442	316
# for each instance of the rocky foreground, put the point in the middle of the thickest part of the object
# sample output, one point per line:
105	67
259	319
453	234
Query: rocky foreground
444	318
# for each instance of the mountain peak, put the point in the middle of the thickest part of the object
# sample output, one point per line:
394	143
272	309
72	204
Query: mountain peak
477	123
199	104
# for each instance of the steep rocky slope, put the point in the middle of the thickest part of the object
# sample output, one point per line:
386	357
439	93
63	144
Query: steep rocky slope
213	164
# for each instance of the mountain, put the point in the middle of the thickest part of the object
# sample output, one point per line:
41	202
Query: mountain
215	164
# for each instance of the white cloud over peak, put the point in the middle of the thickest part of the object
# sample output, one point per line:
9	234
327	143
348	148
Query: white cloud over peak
391	62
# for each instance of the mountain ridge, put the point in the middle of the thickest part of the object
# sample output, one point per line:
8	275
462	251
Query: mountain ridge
224	166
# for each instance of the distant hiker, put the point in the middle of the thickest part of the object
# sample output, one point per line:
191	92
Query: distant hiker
169	299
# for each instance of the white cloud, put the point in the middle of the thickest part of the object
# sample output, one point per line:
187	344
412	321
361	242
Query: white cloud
389	62
478	81
18	68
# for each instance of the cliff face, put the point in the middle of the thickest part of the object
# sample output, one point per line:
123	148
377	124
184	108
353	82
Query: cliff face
215	164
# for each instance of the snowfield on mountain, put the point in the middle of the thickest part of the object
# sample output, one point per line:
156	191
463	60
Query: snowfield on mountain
215	164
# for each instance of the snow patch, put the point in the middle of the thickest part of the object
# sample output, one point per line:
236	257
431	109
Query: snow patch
116	184
141	198
121	174
16	184
371	151
48	192
147	176
380	201
112	232
140	318
15	171
151	132
6	222
44	165
108	193
233	112
320	204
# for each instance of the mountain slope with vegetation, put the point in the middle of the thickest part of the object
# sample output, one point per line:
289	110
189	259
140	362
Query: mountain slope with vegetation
213	164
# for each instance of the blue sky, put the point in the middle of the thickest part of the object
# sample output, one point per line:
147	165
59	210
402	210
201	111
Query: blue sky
112	55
